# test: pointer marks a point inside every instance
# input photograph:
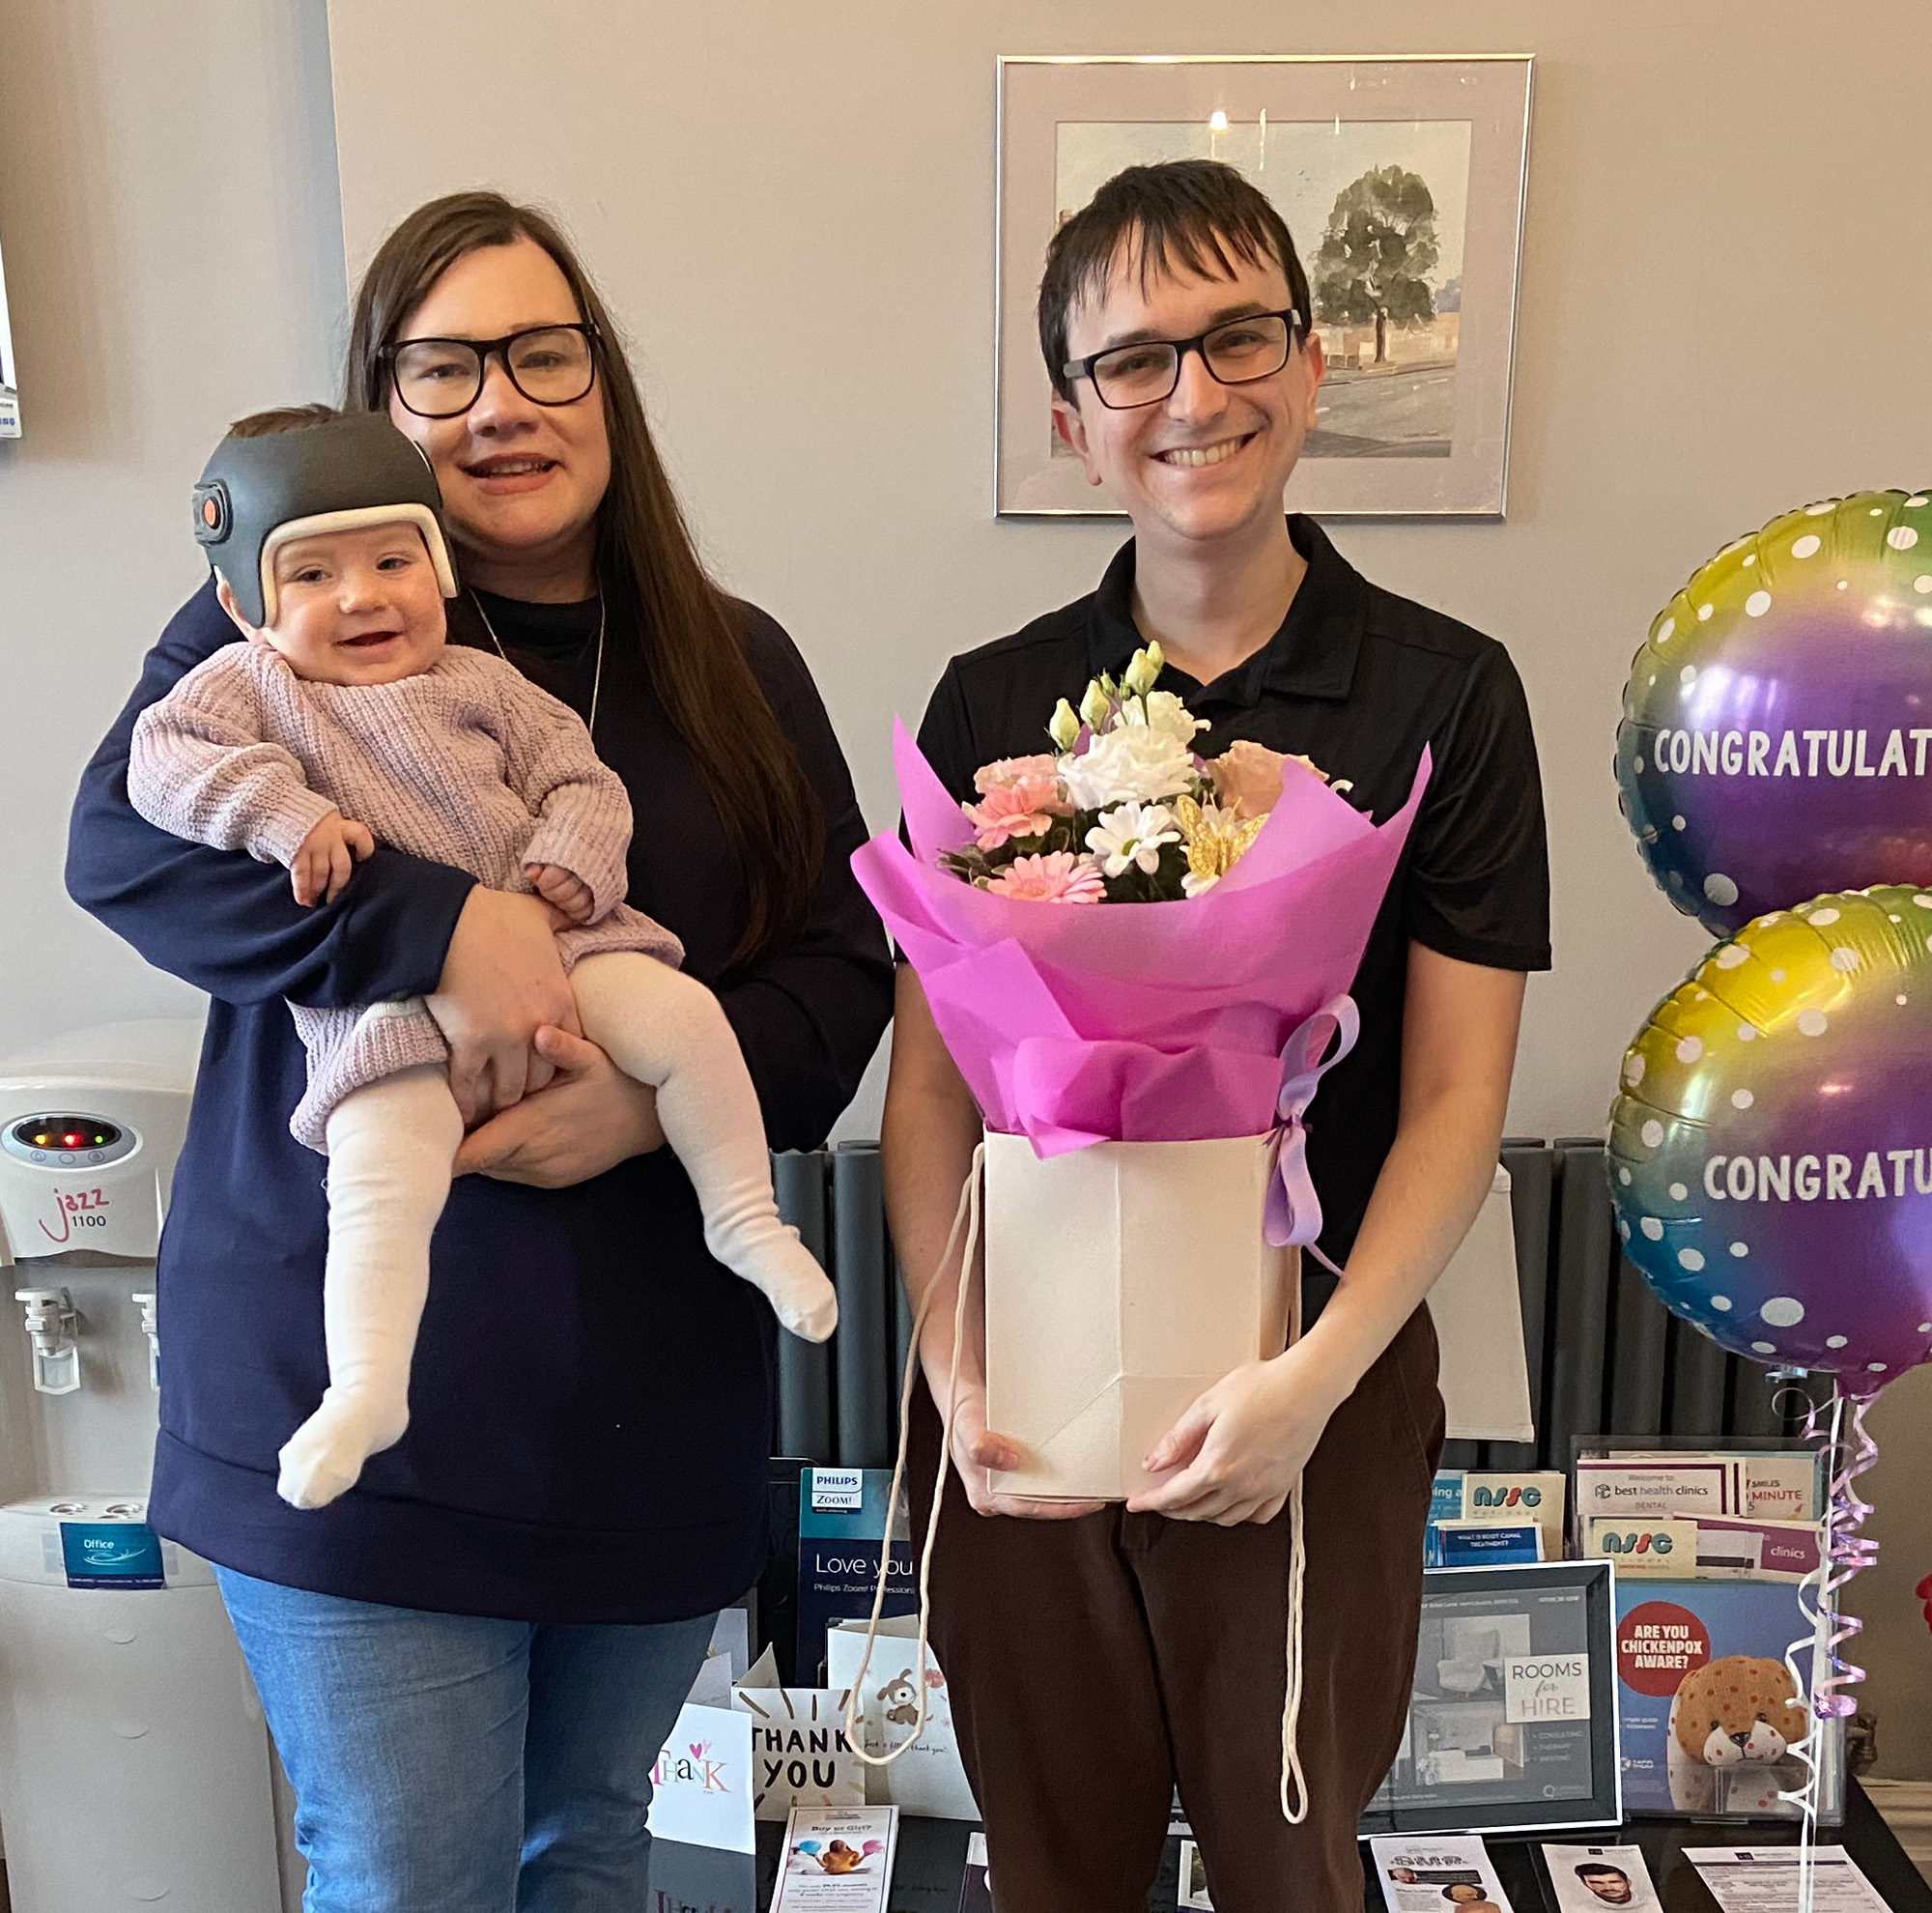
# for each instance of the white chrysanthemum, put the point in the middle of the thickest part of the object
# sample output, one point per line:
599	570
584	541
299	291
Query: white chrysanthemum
1133	764
1131	836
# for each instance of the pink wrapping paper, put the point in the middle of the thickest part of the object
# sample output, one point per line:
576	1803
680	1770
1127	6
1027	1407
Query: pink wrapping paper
1074	1024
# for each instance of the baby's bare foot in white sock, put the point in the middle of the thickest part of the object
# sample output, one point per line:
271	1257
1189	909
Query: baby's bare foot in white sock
323	1458
777	1263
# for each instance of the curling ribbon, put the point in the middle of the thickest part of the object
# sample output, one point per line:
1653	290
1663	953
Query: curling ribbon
1292	1217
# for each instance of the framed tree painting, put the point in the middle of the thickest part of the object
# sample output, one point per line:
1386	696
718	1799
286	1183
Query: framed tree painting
9	397
1402	183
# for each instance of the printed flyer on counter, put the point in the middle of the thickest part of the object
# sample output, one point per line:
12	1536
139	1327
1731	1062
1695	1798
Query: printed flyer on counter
1424	1874
1584	1878
836	1858
1766	1879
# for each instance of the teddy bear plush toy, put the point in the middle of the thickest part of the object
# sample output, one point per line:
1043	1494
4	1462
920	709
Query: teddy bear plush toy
1734	1713
901	1701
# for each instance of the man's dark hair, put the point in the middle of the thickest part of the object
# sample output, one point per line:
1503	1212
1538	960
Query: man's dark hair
1195	214
1590	1866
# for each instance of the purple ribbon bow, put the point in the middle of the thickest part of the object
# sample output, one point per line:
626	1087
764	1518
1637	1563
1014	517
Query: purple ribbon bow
1292	1217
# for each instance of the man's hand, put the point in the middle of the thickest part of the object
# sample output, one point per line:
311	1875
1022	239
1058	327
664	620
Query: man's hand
326	858
1239	1446
976	1449
558	887
502	981
589	1118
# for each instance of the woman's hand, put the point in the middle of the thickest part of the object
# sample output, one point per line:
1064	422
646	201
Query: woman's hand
976	1449
589	1118
1239	1448
502	981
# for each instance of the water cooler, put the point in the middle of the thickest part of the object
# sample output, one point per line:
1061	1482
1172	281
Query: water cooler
135	1769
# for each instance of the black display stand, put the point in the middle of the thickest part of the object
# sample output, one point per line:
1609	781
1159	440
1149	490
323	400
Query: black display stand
932	1852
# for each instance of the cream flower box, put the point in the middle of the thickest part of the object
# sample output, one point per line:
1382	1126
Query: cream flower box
1121	1280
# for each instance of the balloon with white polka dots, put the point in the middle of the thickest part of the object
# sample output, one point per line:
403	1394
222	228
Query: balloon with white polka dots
1777	733
1771	1145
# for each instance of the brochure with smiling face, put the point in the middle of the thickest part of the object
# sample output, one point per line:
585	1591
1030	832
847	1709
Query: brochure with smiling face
1421	1874
1584	1879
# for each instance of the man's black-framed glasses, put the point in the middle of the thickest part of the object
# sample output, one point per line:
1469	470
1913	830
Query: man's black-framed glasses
444	378
1236	352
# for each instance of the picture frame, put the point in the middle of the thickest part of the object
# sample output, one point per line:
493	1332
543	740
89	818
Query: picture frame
1413	419
1494	1748
10	377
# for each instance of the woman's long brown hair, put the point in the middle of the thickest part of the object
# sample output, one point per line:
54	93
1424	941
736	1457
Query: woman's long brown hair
745	762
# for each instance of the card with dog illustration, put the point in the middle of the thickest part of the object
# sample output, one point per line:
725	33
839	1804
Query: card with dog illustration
1709	1711
927	1780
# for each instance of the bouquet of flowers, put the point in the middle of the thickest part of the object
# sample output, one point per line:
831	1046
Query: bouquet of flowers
1125	811
1256	884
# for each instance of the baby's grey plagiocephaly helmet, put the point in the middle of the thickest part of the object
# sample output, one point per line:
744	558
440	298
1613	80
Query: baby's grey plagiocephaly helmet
341	473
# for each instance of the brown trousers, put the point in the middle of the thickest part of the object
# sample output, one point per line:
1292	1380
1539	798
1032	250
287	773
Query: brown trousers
1095	1664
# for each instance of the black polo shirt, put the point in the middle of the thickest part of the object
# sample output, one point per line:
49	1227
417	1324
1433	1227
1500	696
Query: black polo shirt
1358	681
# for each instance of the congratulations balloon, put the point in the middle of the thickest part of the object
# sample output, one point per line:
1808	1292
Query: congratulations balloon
1771	1151
1776	723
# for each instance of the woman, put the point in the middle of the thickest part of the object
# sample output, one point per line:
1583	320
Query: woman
470	1662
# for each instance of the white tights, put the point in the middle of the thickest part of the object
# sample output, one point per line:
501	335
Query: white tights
390	1148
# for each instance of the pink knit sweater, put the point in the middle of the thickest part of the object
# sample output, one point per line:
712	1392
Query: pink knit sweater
467	763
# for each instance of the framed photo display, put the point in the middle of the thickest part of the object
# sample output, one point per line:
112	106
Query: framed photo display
1513	1722
9	379
1401	183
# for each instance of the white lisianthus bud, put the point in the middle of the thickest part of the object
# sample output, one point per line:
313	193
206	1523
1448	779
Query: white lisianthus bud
1171	718
1094	706
1065	728
1141	671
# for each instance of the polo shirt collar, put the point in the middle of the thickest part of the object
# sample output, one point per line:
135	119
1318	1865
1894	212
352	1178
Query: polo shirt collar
1311	655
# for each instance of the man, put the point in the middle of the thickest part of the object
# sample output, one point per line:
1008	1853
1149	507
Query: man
1610	1884
1097	1656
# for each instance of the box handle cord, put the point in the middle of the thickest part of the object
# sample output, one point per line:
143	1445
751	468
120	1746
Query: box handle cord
967	1213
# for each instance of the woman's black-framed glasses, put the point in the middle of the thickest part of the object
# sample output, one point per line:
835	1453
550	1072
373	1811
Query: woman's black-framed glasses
1236	352
444	378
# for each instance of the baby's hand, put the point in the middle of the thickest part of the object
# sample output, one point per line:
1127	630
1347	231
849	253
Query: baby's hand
327	856
562	891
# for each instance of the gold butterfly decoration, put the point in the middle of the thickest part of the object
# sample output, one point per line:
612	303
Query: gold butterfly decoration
1216	840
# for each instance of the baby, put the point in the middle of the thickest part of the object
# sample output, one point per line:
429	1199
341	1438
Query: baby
344	717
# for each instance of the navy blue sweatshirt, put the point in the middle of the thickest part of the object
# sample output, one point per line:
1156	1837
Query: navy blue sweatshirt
590	1404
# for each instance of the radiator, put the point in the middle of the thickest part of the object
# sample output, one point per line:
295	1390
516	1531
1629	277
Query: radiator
1605	1355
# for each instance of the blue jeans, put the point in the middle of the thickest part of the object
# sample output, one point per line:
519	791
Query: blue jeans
448	1764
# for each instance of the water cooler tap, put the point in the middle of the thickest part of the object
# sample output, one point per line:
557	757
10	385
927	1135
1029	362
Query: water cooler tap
52	1322
144	1301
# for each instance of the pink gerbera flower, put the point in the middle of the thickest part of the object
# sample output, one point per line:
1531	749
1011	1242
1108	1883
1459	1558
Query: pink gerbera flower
1024	808
1058	878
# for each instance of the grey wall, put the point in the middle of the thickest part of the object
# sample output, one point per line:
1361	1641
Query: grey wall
792	208
173	246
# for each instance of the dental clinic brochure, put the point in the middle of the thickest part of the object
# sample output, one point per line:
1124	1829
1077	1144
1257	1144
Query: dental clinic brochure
1766	1879
1427	1873
1588	1878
